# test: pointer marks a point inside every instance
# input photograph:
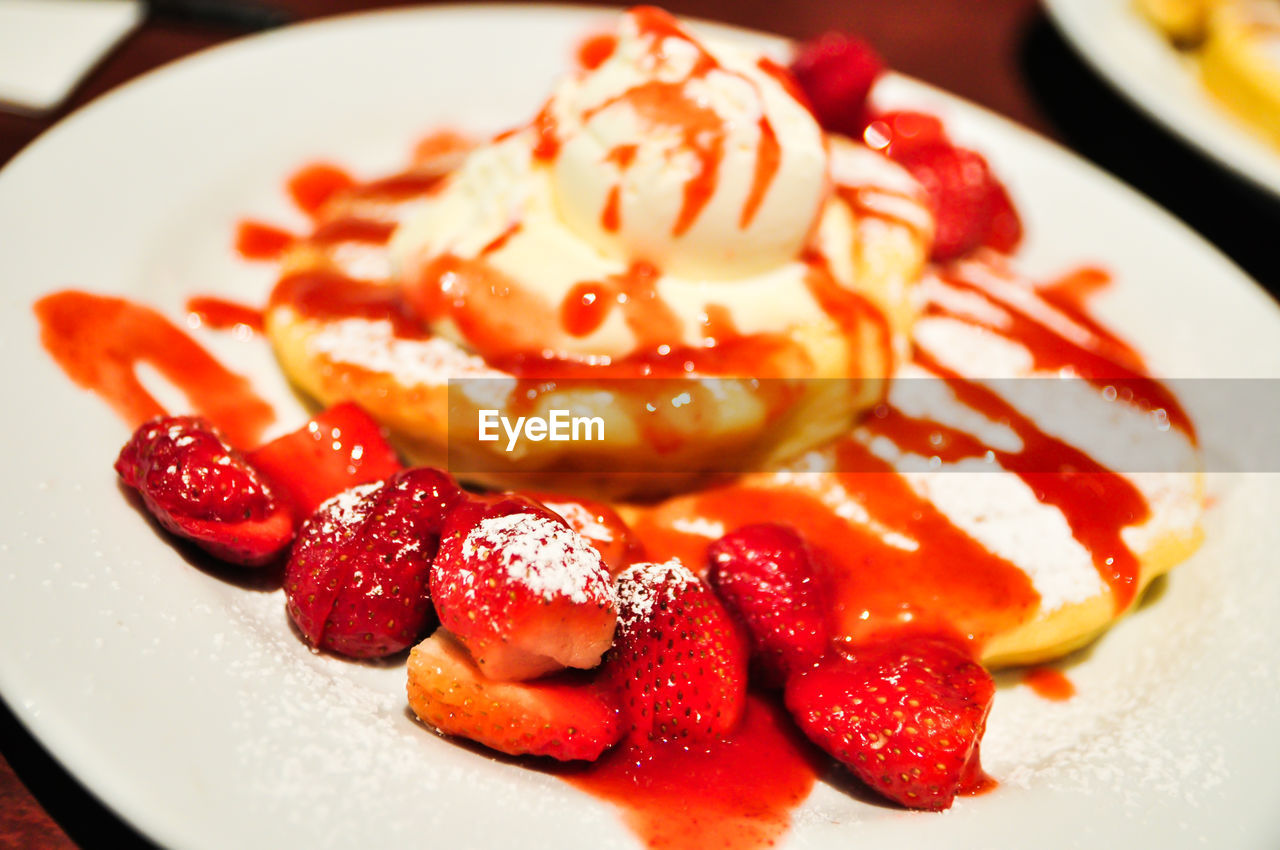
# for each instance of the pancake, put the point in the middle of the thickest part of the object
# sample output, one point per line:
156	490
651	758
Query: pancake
945	510
341	331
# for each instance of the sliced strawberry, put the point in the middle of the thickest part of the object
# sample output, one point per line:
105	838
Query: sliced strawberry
338	449
525	593
961	192
357	580
836	73
602	527
678	660
566	716
899	132
971	207
199	487
906	715
765	577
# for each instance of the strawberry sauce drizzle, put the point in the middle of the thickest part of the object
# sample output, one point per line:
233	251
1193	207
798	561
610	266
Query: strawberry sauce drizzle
220	314
313	185
768	158
736	792
1053	352
1049	684
596	50
1096	503
258	241
99	342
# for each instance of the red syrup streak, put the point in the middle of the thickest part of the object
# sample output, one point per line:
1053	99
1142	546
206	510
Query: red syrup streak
99	341
313	185
1049	684
1053	352
736	792
596	50
258	241
948	583
222	315
768	158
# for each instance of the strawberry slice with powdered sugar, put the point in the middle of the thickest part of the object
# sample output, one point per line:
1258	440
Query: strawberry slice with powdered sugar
199	487
526	594
602	527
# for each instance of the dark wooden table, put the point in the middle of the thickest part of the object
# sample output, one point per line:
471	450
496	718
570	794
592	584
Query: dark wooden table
1002	54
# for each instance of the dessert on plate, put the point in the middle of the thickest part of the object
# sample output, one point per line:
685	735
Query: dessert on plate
1236	46
672	211
936	450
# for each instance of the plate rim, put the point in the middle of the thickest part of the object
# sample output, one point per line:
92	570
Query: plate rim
89	772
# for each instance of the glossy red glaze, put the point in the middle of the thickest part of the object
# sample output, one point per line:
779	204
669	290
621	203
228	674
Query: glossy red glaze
585	307
1053	352
735	793
258	241
596	50
313	185
768	158
99	342
1049	683
221	314
948	582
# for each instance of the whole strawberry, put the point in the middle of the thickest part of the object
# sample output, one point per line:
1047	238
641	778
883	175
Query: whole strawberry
526	594
971	206
905	714
765	577
338	448
836	73
678	659
199	487
357	580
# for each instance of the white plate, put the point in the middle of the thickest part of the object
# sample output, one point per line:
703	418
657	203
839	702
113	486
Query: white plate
1123	47
187	704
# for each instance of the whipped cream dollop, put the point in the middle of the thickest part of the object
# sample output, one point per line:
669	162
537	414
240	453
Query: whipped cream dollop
689	155
675	189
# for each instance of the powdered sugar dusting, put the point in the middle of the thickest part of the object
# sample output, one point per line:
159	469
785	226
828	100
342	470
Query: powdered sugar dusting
541	554
642	587
345	509
373	345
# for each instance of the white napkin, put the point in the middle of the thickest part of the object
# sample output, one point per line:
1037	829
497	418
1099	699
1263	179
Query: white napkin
47	46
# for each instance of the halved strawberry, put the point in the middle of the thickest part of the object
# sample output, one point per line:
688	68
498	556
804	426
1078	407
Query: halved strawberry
199	487
971	206
905	714
338	449
678	661
357	580
524	593
765	577
566	717
836	73
602	527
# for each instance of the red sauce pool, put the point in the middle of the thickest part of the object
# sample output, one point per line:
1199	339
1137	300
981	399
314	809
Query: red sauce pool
1049	683
736	793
